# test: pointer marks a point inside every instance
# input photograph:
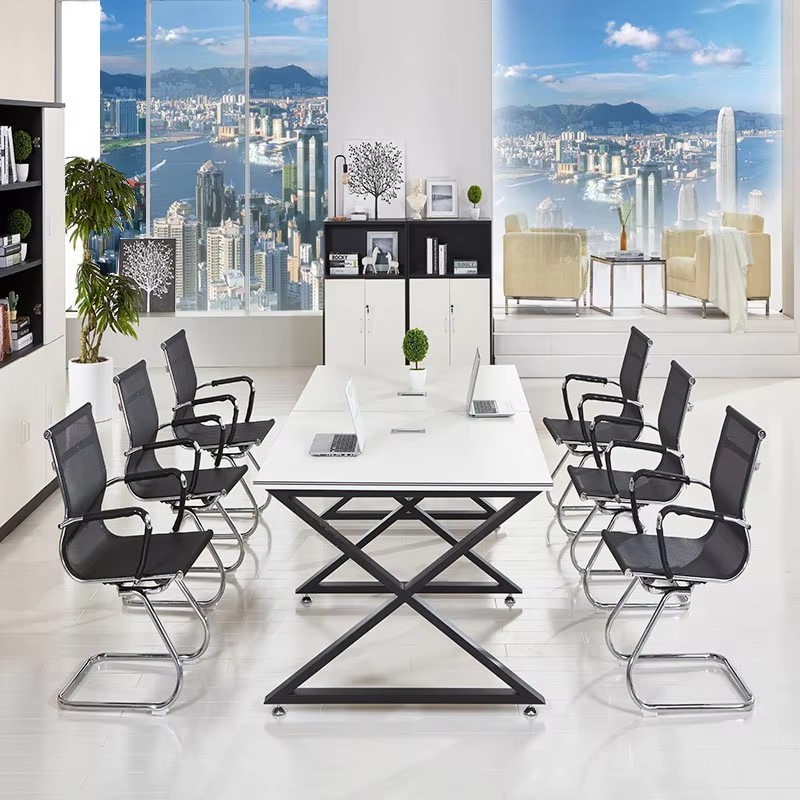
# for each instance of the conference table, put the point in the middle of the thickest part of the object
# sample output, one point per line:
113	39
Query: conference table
474	461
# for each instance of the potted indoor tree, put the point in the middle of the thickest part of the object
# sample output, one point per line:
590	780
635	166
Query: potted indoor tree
19	221
475	195
23	147
98	199
415	348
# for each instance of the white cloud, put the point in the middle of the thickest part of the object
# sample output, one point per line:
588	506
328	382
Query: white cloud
547	79
628	35
711	56
682	39
306	6
642	62
172	35
726	5
305	23
514	71
122	63
108	22
309	52
613	86
206	42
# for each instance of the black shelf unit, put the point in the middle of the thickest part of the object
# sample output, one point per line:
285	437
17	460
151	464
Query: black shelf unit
27	278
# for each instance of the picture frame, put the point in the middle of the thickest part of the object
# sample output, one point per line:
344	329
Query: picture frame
386	242
151	264
377	176
442	198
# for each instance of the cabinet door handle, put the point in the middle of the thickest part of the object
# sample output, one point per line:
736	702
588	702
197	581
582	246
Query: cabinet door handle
446	324
369	320
452	318
361	324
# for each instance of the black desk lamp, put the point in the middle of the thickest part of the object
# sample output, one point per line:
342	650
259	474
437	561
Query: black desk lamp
345	181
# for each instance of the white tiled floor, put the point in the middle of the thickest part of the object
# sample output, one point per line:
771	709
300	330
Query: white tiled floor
588	742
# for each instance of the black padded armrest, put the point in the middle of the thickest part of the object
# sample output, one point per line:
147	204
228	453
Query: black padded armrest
607	419
167	472
647	447
582	379
650	473
596	398
217	420
237	379
120	513
219	398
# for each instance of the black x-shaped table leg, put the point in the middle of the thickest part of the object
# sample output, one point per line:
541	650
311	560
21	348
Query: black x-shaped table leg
291	691
408	508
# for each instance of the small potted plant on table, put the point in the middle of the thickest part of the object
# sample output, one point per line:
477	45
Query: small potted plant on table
23	147
98	199
415	348
20	222
475	195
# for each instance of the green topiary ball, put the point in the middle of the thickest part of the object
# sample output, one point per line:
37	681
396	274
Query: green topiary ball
415	346
19	221
23	146
474	194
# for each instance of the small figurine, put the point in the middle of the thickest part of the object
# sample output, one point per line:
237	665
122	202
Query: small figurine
394	267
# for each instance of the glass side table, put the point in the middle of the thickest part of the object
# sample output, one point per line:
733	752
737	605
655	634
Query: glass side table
613	262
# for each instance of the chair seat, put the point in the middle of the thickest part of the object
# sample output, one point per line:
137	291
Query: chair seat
207	436
593	482
719	555
209	482
569	430
95	554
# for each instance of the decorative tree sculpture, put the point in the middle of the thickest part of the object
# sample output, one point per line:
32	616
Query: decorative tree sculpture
149	265
375	170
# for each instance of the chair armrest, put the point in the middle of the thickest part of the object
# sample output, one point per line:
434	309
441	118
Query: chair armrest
120	513
687	511
611	420
236	379
215	418
166	472
203	401
650	473
647	447
582	379
597	398
163	445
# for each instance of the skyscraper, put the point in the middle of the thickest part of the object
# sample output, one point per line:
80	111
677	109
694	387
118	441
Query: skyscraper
126	118
310	180
209	196
289	182
649	209
185	230
727	171
278	274
223	251
687	206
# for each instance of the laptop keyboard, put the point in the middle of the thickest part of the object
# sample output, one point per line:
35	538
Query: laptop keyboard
484	406
344	443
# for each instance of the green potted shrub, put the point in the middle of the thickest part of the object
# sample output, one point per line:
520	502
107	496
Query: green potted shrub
415	348
23	147
20	222
13	302
98	199
475	195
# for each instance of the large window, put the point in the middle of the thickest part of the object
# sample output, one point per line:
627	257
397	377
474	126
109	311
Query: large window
675	107
234	169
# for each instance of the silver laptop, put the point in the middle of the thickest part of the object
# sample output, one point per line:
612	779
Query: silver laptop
484	408
343	444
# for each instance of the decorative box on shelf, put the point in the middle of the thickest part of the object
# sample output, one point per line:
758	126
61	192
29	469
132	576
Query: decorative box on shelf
465	267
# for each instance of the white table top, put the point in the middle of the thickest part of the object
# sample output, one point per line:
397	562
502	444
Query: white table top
457	453
446	389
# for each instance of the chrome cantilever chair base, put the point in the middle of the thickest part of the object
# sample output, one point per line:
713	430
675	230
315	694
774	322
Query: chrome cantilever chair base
177	659
667	590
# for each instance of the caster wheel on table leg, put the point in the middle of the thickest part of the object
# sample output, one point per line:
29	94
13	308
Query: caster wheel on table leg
279	711
306	600
510	601
530	712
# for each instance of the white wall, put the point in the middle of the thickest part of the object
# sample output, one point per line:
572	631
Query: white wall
419	71
28	52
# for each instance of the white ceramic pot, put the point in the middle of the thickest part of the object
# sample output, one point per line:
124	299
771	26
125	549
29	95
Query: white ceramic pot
22	172
92	383
23	250
475	212
416	379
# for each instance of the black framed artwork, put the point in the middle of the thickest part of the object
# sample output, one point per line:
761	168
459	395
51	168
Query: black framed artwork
150	264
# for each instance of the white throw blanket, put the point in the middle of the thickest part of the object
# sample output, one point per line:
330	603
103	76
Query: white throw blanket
731	256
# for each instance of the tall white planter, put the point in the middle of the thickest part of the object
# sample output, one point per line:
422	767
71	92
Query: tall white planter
92	383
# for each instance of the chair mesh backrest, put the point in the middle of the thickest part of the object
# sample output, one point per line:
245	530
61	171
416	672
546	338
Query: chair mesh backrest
141	415
734	462
633	364
79	463
181	367
674	405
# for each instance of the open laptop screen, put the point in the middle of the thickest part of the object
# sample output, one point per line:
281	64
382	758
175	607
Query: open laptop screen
476	364
355	413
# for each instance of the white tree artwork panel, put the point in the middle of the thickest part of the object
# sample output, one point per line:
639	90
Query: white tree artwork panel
150	264
377	177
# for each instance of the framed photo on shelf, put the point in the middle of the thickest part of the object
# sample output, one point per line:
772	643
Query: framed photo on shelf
442	197
150	263
386	244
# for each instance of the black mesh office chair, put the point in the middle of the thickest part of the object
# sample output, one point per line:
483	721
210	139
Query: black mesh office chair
205	488
138	565
609	488
241	436
574	433
674	565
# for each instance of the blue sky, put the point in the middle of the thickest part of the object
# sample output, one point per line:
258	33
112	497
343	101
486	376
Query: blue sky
665	55
209	33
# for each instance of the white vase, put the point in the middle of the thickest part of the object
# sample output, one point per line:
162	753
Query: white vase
92	383
23	250
416	379
475	212
22	172
416	202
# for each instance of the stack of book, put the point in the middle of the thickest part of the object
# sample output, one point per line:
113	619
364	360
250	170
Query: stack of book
21	333
8	163
436	257
10	250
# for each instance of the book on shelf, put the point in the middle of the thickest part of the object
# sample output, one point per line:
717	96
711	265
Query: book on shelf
343	263
465	267
359	216
8	166
432	255
10	238
5	328
18	330
10	260
22	342
10	249
442	260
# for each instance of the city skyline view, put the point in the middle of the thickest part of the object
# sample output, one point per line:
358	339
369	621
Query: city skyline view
234	251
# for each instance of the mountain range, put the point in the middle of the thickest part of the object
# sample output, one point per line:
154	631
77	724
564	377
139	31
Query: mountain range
214	81
603	116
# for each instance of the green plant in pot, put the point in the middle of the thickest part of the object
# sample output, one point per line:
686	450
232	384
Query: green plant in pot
415	348
20	222
13	302
475	195
23	147
98	199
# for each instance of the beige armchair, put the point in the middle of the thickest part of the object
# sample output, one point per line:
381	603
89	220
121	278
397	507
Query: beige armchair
688	255
543	263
